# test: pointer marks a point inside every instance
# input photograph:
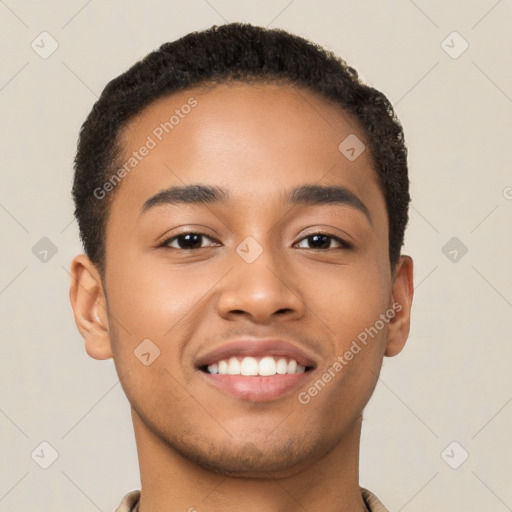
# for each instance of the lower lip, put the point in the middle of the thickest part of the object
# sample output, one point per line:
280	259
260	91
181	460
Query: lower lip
256	388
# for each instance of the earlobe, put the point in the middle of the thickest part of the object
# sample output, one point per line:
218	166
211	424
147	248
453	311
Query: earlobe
401	296
88	301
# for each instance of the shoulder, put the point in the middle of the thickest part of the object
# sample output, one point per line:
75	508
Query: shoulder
372	502
130	502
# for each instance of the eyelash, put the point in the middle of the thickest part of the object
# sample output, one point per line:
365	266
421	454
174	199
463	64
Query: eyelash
343	243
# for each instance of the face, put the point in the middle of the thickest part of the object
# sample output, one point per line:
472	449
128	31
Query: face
277	269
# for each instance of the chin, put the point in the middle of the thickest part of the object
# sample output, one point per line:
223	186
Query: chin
250	460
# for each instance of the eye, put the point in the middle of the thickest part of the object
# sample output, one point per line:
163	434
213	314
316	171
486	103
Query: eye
186	241
322	241
193	240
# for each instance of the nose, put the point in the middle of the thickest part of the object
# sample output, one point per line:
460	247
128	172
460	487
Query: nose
261	290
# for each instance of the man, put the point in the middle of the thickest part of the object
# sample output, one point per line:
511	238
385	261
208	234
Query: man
242	199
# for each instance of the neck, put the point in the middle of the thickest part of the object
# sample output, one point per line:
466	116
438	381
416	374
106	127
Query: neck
173	483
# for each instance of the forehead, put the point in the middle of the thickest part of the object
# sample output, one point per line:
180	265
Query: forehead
255	139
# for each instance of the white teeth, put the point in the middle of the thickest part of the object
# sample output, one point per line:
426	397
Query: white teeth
223	367
281	366
265	367
249	366
213	368
233	366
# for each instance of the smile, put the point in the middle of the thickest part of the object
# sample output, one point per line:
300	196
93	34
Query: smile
255	369
256	366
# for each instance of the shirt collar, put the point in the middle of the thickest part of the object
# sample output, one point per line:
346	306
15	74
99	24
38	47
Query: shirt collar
130	502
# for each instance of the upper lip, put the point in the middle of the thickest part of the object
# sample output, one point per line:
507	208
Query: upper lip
257	348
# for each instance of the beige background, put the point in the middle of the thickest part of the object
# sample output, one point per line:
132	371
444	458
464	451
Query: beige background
453	380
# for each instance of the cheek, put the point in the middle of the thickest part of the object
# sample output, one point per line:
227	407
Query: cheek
350	301
152	302
152	299
351	320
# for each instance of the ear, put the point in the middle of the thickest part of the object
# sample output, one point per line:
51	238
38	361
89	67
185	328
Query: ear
401	297
90	307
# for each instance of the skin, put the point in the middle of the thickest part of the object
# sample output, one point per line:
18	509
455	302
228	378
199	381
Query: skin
197	446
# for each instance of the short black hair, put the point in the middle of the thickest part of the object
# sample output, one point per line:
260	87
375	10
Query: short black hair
221	54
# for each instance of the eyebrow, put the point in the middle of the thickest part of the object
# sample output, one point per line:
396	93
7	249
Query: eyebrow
324	195
305	194
188	194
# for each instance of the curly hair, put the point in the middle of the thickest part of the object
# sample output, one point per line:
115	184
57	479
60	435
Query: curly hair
220	54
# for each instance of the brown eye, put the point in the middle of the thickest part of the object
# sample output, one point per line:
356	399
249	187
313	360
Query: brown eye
322	241
186	241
